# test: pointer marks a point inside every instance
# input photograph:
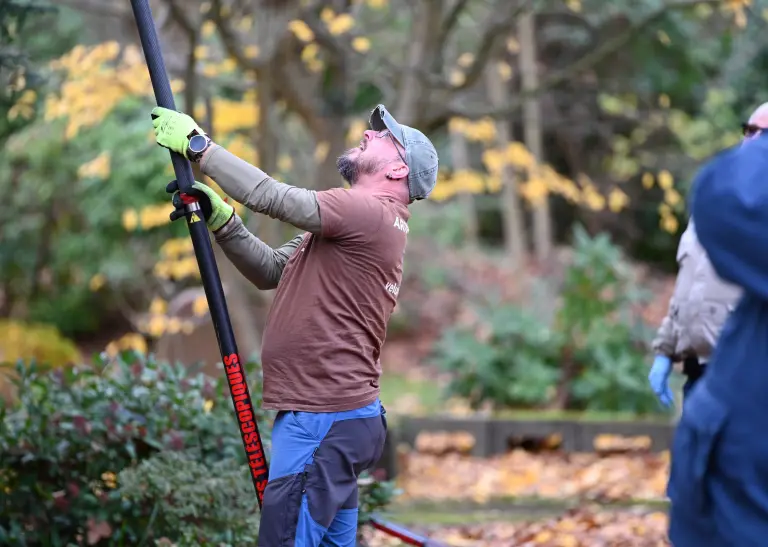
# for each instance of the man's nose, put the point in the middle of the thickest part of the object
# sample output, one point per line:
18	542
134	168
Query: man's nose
369	134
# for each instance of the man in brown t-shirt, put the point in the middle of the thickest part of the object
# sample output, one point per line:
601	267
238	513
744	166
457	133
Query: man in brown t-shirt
337	285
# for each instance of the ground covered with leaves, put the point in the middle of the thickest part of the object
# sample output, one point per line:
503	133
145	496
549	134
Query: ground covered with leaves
585	527
615	478
548	499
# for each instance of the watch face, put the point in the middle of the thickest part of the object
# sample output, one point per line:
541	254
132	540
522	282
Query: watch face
197	144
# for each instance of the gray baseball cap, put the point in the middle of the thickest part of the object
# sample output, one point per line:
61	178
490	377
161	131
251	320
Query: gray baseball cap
420	153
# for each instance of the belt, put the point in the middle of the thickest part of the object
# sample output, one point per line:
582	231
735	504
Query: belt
692	367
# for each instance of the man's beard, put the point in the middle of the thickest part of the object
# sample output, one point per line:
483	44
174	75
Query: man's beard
351	169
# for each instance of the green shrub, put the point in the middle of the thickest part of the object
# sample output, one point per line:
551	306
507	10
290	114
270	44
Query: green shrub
193	502
374	497
63	445
591	357
129	452
509	360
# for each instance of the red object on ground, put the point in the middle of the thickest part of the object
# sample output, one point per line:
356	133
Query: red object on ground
404	535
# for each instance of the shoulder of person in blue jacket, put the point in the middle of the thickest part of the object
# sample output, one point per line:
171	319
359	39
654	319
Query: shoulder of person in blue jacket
730	205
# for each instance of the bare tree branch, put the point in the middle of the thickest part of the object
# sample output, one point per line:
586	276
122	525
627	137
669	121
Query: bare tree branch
457	107
98	7
323	37
191	30
501	19
298	89
420	37
179	15
449	22
232	43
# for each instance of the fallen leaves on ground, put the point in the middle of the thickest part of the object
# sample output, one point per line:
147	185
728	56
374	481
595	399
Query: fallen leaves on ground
583	527
523	474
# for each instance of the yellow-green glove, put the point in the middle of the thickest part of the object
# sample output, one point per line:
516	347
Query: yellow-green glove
173	129
216	211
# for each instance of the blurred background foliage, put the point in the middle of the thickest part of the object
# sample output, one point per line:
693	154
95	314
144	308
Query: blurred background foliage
546	116
568	132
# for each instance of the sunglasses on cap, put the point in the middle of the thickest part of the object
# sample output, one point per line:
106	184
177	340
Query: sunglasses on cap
750	130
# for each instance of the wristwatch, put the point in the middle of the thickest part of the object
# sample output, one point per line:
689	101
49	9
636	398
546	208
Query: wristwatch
198	144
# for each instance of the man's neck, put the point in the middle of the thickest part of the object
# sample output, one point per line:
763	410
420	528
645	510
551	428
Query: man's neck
387	189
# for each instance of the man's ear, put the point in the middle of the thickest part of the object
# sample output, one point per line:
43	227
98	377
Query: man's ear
399	172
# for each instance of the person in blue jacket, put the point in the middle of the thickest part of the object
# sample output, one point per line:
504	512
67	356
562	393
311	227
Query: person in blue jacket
718	484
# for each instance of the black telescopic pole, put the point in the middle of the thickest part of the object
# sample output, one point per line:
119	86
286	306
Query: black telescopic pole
238	386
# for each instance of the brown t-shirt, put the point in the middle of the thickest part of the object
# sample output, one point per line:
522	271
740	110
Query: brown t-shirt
329	318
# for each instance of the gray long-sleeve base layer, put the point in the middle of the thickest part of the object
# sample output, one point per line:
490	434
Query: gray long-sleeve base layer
258	262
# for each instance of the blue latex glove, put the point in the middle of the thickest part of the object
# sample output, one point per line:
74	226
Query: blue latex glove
659	379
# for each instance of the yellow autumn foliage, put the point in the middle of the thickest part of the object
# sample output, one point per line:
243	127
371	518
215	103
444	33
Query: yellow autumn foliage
573	5
208	28
24	107
321	151
665	180
535	190
132	341
617	200
340	24
535	181
457	77
176	247
97	282
230	116
200	306
99	167
42	342
327	15
361	44
355	132
738	10
147	218
504	70
156	326
301	30
465	59
648	180
27	341
482	130
284	163
243	148
178	269
310	55
158	306
105	71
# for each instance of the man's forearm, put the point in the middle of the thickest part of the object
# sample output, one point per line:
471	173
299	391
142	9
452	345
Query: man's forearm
258	262
261	193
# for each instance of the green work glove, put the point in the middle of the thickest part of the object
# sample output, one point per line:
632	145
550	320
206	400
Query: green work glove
216	211
173	129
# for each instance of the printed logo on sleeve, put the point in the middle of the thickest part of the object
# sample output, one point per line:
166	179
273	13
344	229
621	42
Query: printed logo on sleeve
393	289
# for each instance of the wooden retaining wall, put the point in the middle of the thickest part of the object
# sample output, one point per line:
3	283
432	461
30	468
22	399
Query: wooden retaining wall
495	436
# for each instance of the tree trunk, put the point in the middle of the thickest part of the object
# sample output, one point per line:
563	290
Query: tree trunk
542	221
327	174
266	143
512	212
460	157
424	24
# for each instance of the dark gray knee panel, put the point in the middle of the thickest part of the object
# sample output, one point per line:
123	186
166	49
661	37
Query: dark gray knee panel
280	513
349	448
